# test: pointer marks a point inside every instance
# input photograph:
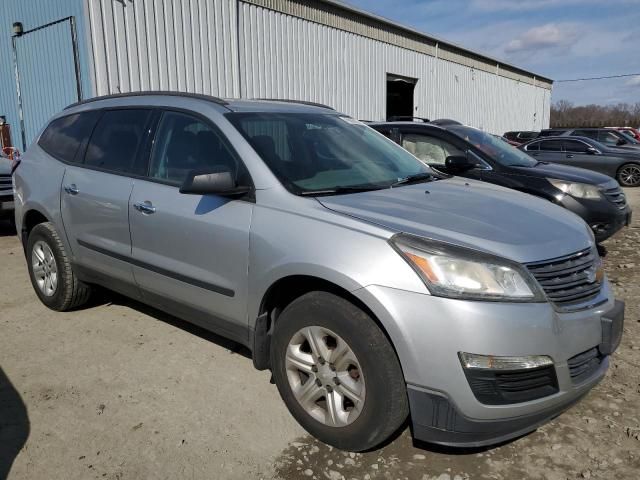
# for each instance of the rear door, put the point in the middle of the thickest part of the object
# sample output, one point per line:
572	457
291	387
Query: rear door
190	252
95	194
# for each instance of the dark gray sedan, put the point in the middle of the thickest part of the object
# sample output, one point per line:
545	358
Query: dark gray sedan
623	164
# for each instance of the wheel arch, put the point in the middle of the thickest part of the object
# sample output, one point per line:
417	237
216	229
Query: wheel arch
31	218
285	290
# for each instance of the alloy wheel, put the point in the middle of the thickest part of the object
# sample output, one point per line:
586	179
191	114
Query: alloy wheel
45	269
629	175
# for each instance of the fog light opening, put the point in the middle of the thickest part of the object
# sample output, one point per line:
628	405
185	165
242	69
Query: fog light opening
492	362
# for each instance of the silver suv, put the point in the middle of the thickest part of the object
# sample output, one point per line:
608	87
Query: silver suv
373	287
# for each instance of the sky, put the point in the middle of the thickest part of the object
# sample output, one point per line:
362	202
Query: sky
558	39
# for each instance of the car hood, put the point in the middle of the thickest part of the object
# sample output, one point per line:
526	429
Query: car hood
474	214
563	172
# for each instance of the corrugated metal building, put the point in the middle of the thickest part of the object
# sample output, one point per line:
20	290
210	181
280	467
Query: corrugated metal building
321	51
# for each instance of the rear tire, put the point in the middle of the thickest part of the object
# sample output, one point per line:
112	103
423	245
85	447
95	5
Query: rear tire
354	399
51	272
629	175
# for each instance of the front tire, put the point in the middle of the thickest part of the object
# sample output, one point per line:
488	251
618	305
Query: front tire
50	270
337	372
629	175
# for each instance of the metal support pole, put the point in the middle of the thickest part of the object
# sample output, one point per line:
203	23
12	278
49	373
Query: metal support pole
20	112
76	56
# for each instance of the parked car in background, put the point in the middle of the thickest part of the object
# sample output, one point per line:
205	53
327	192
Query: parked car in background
607	136
6	189
520	137
633	132
472	153
623	164
372	286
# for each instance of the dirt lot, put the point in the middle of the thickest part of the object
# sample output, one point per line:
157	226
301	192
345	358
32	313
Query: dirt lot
121	391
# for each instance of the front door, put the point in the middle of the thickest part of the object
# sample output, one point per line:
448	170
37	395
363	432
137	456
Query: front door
190	252
95	194
434	151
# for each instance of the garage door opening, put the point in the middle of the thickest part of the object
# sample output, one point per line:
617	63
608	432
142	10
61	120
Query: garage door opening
400	96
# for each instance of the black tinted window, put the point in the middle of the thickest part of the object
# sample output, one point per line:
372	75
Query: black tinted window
63	136
586	133
116	141
575	146
551	146
185	143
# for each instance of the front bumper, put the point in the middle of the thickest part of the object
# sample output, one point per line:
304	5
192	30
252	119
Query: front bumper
428	332
6	204
603	216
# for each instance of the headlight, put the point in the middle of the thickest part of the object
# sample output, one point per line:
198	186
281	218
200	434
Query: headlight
457	272
578	190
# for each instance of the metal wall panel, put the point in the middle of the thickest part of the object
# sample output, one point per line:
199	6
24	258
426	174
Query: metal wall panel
47	75
186	45
32	14
283	56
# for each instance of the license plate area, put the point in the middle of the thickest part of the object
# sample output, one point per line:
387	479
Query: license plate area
612	327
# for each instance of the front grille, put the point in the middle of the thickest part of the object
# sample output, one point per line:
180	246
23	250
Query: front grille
493	387
5	182
616	196
570	280
583	365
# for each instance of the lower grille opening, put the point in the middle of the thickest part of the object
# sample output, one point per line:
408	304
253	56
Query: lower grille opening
584	365
493	387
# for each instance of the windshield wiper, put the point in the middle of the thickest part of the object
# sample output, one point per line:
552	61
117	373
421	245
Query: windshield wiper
338	190
418	177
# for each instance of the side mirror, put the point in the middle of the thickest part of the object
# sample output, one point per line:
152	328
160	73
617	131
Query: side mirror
212	183
592	151
458	164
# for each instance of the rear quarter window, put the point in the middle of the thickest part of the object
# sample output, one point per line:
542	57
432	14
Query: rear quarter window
63	137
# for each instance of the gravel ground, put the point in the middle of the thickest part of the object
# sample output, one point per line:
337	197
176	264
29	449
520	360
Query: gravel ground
120	391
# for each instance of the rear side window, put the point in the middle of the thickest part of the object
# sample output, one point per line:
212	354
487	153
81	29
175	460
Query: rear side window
116	140
63	136
533	147
608	138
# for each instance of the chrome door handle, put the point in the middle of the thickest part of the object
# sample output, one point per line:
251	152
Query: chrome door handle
71	189
569	155
145	207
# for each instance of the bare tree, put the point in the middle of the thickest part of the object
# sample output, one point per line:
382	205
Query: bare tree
566	114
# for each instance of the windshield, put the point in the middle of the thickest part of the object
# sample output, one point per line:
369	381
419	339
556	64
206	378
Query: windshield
496	148
326	153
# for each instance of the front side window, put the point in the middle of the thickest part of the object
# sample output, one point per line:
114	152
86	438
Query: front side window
593	134
496	148
430	150
63	136
184	143
311	152
116	140
608	138
551	146
574	146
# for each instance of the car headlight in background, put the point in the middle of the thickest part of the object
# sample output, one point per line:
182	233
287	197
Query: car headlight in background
577	190
457	272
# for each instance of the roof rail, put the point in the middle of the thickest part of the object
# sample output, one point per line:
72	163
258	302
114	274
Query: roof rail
406	118
146	93
301	102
